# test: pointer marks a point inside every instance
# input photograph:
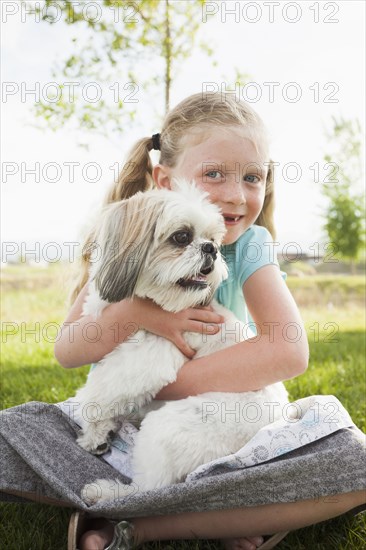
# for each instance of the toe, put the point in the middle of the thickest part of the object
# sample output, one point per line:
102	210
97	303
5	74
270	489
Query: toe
257	541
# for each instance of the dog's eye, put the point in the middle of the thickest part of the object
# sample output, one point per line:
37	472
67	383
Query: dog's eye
182	238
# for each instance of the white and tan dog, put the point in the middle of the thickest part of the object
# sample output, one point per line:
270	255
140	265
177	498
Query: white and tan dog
165	245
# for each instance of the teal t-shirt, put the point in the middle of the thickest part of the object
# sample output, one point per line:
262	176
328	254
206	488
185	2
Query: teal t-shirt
253	250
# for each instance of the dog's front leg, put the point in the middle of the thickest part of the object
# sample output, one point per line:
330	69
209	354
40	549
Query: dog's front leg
124	382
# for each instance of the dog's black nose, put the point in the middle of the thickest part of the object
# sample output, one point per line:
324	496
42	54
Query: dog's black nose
209	248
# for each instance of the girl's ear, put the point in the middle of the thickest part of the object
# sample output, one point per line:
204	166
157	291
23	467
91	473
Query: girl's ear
162	176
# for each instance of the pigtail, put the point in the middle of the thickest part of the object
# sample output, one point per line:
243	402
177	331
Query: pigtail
136	175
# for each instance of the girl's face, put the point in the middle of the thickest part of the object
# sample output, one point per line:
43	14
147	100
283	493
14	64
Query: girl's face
227	166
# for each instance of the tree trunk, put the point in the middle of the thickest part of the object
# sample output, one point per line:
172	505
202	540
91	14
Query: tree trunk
167	55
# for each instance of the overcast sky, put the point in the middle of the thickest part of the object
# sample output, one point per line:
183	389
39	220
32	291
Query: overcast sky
306	62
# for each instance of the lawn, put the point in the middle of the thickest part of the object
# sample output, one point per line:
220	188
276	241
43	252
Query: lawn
34	304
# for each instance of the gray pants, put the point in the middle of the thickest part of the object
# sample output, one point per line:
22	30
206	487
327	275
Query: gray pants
39	455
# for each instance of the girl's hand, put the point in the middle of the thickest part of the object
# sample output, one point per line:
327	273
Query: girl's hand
118	321
172	325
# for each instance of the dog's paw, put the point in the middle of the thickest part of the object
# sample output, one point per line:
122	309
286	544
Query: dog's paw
99	491
92	446
94	443
91	493
106	489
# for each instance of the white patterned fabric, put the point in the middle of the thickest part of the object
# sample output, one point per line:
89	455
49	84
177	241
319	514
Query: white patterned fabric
318	417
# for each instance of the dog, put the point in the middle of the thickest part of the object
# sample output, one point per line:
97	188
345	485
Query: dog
164	245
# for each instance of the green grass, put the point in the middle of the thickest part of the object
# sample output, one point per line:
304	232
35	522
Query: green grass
333	312
330	290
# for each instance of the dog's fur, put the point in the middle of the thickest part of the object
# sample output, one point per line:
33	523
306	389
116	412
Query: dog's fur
164	245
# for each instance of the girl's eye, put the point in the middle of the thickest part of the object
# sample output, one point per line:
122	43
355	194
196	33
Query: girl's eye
252	178
215	174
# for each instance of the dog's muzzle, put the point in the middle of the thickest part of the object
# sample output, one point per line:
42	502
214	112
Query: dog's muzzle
200	281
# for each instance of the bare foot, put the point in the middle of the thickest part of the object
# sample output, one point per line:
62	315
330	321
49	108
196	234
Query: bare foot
250	543
98	538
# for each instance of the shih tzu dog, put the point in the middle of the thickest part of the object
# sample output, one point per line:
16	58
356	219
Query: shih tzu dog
164	245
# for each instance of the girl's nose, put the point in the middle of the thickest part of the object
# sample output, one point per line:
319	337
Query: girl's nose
234	193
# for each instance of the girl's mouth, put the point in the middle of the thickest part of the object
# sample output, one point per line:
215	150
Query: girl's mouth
232	220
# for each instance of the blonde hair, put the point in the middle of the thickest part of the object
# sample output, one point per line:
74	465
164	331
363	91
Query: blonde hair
196	114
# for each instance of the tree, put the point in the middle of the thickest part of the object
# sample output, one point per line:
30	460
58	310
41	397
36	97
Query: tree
119	40
345	213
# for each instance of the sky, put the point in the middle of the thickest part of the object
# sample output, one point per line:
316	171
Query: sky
305	62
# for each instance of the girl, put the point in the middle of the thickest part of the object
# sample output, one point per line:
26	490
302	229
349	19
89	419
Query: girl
221	144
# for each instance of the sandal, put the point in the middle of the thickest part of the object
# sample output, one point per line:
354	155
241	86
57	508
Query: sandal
81	522
123	537
273	540
77	526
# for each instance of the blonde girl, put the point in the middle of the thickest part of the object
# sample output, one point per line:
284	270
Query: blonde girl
221	144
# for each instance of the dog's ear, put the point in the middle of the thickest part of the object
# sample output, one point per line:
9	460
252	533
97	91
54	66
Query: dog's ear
125	235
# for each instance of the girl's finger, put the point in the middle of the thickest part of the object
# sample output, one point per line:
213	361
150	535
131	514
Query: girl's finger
184	348
205	316
209	328
204	328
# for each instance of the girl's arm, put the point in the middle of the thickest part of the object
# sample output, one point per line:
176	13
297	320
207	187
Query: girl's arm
279	352
84	340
